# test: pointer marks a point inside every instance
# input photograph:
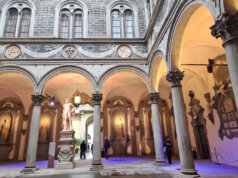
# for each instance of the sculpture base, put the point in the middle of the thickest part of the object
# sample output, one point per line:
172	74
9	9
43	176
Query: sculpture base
66	150
65	165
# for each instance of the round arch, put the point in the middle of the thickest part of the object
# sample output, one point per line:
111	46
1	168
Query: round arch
158	66
61	69
24	72
133	69
178	26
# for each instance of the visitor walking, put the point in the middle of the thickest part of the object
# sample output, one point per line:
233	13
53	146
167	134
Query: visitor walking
83	147
168	149
106	147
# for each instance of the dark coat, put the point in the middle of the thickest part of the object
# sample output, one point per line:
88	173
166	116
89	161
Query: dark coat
106	144
168	146
83	146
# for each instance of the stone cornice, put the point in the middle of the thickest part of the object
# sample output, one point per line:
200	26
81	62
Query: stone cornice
72	41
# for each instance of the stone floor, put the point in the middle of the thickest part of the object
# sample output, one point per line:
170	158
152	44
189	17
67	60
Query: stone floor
129	167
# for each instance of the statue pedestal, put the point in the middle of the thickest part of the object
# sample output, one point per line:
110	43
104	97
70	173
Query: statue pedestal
66	150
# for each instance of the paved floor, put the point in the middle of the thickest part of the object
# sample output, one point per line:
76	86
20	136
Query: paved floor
120	167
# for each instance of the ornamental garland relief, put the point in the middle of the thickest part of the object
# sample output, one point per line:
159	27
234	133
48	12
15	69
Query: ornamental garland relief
124	51
69	52
12	51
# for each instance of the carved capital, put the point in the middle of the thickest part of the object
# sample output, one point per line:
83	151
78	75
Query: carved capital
97	99
226	27
154	97
37	99
175	77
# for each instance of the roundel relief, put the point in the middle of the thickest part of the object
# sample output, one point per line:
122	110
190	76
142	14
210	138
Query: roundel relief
124	51
69	52
12	52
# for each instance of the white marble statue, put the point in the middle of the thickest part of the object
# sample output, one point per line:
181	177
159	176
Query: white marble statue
68	114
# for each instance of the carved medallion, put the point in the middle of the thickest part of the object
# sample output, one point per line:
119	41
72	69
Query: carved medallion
69	52
124	51
12	51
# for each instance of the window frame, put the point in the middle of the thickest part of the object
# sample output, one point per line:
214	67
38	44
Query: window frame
127	5
19	6
71	6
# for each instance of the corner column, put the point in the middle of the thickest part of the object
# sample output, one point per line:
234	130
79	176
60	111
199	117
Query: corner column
184	143
158	140
97	130
226	27
34	133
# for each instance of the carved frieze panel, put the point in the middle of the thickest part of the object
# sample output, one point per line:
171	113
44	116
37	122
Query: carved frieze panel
124	51
12	51
69	51
79	51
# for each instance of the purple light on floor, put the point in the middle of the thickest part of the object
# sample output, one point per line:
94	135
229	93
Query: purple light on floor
126	160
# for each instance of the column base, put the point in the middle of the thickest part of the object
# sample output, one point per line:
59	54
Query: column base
159	162
96	162
191	172
96	167
29	170
65	165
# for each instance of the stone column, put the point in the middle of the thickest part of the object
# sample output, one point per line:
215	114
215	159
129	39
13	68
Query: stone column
34	133
226	27
97	130
184	143
158	140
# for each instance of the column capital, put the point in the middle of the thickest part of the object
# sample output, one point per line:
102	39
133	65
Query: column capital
175	77
154	97
37	99
225	27
97	98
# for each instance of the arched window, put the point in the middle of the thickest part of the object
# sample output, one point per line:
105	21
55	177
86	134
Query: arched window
64	23
11	22
116	24
71	21
128	21
78	24
122	22
17	23
25	22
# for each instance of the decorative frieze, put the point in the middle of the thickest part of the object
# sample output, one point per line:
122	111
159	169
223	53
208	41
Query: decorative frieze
77	51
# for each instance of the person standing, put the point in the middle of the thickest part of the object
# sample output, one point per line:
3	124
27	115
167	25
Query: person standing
106	147
168	149
83	150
